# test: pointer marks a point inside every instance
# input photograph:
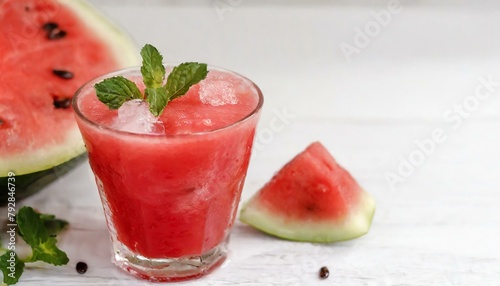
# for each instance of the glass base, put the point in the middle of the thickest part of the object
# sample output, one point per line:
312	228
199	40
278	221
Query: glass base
169	269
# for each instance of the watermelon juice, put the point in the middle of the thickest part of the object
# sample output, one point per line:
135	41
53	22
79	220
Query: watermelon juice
170	189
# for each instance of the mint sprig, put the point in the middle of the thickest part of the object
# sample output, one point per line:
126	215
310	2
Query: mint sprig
117	90
35	233
38	231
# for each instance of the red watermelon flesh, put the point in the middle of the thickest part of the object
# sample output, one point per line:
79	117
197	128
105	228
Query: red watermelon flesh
311	198
49	49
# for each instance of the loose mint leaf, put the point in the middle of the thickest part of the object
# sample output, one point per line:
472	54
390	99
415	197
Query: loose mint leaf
12	267
116	90
157	99
34	232
183	77
152	69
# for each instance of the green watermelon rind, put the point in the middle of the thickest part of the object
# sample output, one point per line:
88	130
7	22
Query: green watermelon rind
44	158
26	185
355	224
73	146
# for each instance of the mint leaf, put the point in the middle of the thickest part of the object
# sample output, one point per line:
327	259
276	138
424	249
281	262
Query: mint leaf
34	232
116	90
157	99
183	77
12	267
47	251
152	69
54	225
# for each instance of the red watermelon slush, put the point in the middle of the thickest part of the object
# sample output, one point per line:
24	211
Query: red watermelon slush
170	189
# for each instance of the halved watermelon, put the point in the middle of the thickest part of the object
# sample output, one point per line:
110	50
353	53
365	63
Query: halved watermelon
49	48
311	198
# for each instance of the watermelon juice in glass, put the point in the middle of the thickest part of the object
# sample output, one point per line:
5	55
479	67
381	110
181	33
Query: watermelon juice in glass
170	186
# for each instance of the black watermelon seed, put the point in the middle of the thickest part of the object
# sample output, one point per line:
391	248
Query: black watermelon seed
49	26
62	102
81	267
26	8
56	34
63	74
3	124
324	272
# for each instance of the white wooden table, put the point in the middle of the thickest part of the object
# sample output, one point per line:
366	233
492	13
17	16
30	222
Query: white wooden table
438	225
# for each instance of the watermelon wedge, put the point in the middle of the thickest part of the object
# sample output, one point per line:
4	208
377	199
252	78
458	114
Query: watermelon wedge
311	198
49	48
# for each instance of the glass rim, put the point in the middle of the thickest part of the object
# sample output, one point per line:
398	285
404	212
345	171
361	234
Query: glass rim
123	71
